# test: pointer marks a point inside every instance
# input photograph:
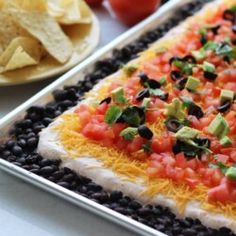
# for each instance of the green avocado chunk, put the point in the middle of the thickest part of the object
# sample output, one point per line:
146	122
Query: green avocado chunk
192	83
186	133
175	109
231	173
219	127
226	95
225	141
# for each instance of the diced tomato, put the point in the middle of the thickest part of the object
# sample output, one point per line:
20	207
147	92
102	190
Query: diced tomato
219	193
193	164
163	144
192	183
168	160
222	158
181	160
135	144
95	131
102	108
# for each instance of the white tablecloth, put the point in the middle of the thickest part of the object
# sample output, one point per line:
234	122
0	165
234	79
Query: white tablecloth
29	211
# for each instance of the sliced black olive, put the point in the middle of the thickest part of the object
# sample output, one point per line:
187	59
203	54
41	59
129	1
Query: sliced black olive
175	59
234	42
143	78
176	148
106	100
215	29
234	28
143	94
195	110
153	84
145	132
203	141
210	76
164	96
175	75
203	39
224	107
181	83
229	15
226	59
173	125
190	59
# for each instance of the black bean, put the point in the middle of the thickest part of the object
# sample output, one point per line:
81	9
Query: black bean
189	232
145	132
60	95
94	187
32	142
64	184
135	205
46	171
115	196
10	144
58	174
123	202
22	143
68	178
17	150
11	158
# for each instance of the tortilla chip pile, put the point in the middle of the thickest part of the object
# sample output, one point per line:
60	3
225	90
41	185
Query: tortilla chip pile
31	30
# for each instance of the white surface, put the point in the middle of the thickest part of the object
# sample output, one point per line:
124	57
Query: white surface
26	210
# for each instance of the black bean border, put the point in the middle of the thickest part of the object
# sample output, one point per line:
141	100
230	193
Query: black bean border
20	149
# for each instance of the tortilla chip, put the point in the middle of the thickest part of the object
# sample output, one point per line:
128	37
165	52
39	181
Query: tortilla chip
44	28
28	5
85	12
69	12
19	59
30	46
9	30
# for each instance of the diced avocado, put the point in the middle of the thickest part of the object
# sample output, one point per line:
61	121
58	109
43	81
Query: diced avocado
218	127
186	133
175	109
199	55
231	173
225	141
226	95
118	95
192	83
130	69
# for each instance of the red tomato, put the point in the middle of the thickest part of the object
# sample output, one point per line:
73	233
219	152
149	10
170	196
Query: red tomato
130	12
94	3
